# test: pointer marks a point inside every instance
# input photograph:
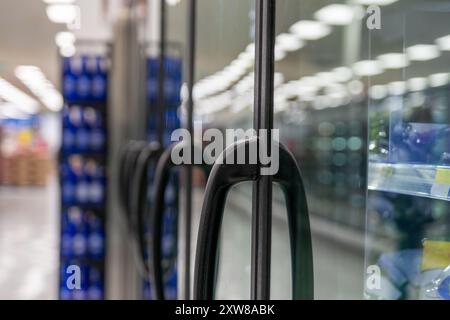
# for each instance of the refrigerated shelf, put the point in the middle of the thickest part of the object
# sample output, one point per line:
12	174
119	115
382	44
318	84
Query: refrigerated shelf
410	179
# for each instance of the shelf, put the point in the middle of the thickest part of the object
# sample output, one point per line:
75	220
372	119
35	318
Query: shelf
410	179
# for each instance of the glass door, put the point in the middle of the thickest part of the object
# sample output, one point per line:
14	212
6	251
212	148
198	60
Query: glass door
321	112
361	101
408	237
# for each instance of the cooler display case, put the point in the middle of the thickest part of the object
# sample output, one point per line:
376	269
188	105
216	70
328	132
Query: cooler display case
83	173
173	82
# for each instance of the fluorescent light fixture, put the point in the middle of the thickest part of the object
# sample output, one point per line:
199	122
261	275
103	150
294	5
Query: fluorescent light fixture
367	68
325	78
68	51
310	29
376	2
10	110
289	42
64	38
39	85
378	92
59	1
356	87
417	84
23	101
439	79
62	13
444	43
342	74
397	88
423	52
172	2
336	14
279	54
394	60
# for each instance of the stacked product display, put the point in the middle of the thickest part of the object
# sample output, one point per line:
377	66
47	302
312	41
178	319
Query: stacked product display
83	176
409	179
24	156
172	90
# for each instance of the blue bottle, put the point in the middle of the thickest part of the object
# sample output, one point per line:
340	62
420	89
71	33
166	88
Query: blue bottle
96	129
99	79
171	285
82	186
69	131
69	181
69	80
96	239
95	289
82	132
68	233
84	80
80	237
82	293
96	183
64	292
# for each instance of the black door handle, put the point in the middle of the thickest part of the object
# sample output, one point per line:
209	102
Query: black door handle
128	157
139	201
165	164
222	178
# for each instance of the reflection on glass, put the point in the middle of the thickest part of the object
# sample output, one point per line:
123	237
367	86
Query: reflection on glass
408	242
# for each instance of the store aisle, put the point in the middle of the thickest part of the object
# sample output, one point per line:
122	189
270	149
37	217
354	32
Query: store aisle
29	242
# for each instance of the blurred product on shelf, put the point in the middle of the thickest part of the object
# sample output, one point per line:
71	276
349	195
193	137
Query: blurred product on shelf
83	180
24	156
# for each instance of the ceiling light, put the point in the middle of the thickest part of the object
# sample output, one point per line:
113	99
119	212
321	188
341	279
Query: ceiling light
367	68
23	101
172	2
342	74
356	87
289	42
325	78
336	14
397	88
378	92
310	30
439	79
394	60
444	43
58	1
68	51
64	38
417	84
39	85
279	54
62	13
12	111
376	2
423	52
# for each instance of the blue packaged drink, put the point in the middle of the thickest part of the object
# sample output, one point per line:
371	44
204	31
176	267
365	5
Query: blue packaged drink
80	237
99	79
96	236
82	184
69	80
68	186
95	290
96	183
84	80
96	130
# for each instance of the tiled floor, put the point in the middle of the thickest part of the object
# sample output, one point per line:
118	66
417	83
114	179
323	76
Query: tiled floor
29	242
29	250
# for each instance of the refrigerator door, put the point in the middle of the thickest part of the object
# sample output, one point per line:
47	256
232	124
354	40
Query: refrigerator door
408	225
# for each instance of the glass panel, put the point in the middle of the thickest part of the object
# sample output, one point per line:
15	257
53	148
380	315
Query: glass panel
321	113
408	238
223	98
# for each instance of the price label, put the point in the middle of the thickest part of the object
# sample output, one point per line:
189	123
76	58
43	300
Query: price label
441	185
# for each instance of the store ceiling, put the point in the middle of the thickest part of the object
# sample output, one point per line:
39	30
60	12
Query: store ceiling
27	37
